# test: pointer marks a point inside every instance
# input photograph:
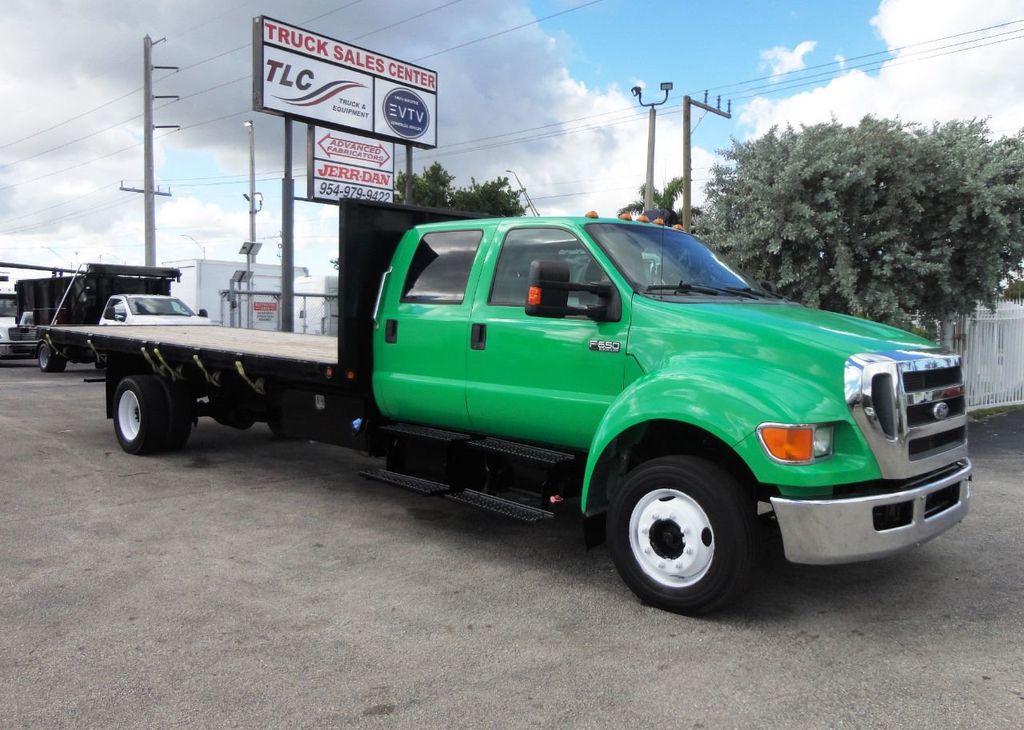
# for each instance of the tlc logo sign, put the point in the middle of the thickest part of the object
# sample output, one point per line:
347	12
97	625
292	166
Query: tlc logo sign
283	74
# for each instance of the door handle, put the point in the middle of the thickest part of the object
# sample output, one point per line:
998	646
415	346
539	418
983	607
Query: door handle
391	330
478	337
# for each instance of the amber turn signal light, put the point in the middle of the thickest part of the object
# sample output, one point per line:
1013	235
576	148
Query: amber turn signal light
533	297
788	443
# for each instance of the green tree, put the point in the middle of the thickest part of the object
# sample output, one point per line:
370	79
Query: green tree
434	189
884	220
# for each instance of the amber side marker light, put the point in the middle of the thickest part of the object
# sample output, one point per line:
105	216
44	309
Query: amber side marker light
591	214
533	296
788	443
625	217
796	444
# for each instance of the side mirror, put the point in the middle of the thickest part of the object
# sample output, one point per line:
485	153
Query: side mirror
120	316
203	313
548	294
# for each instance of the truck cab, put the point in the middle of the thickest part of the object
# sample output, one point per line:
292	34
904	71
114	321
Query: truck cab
690	392
150	309
15	341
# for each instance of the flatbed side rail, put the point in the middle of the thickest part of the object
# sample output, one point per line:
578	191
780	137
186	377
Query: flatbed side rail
212	359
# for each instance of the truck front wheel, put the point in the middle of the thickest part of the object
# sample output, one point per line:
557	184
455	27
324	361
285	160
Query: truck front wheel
50	361
141	415
682	534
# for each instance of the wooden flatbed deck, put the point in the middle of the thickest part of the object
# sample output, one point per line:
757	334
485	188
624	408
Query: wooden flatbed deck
281	354
284	345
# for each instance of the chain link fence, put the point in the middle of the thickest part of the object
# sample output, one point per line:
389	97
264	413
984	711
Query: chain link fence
315	314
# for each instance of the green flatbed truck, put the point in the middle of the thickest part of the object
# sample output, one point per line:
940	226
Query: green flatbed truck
620	368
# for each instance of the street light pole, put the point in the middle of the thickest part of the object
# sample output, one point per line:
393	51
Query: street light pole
522	189
201	246
252	193
666	86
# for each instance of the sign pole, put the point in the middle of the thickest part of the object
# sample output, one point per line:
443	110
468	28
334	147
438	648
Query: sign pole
287	235
408	175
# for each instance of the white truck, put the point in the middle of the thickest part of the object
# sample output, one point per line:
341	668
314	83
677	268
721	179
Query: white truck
150	309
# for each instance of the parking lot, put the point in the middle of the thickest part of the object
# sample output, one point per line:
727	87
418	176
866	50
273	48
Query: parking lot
251	582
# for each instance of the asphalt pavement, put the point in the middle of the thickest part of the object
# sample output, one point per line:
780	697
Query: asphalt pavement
248	582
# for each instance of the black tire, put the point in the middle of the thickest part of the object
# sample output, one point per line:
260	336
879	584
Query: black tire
683	534
50	361
141	414
277	429
179	414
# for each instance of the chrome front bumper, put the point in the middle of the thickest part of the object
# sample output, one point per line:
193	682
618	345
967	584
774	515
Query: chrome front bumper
843	530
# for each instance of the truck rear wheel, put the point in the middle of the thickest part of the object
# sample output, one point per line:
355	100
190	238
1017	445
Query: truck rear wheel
683	534
141	414
179	414
50	361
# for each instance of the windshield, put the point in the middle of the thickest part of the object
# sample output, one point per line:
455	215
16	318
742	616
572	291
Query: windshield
8	306
151	305
665	260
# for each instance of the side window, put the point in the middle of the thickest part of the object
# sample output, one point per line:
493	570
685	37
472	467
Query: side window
440	267
525	245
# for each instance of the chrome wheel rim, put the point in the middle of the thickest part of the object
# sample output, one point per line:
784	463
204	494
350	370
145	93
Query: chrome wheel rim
129	417
671	538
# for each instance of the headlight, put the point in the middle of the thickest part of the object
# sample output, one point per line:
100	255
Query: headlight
796	444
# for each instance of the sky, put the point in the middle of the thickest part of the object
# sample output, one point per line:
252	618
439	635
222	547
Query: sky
541	87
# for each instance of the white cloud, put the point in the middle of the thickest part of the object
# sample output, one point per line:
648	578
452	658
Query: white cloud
68	199
918	84
782	60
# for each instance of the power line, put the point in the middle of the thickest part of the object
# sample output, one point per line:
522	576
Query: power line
508	30
887	52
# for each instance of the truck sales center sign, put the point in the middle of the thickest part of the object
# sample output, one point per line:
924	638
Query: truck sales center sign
319	80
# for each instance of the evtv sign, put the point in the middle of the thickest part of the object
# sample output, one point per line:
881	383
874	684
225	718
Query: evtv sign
319	80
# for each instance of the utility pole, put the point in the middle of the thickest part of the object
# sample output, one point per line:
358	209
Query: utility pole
522	188
687	164
149	189
287	235
408	176
666	86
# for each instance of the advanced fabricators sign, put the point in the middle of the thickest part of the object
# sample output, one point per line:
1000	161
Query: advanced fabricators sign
320	80
344	165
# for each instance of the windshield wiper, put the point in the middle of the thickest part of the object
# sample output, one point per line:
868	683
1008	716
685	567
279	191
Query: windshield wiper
757	293
685	288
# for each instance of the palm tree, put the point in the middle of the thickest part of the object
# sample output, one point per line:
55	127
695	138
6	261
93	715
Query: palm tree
663	199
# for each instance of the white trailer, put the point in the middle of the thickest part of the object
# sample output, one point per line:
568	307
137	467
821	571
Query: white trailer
202	281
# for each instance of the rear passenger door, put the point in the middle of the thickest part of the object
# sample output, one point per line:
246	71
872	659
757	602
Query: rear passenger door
420	354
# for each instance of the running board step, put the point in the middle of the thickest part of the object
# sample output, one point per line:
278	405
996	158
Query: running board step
413	484
504	507
535	454
423	432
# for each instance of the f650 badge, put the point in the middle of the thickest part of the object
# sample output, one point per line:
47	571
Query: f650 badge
605	346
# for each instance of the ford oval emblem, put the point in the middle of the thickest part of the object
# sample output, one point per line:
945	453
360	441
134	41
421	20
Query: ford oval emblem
940	410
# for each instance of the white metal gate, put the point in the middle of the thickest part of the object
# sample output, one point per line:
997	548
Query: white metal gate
992	345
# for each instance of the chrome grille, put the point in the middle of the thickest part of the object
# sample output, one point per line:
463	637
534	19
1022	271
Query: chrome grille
19	334
911	408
